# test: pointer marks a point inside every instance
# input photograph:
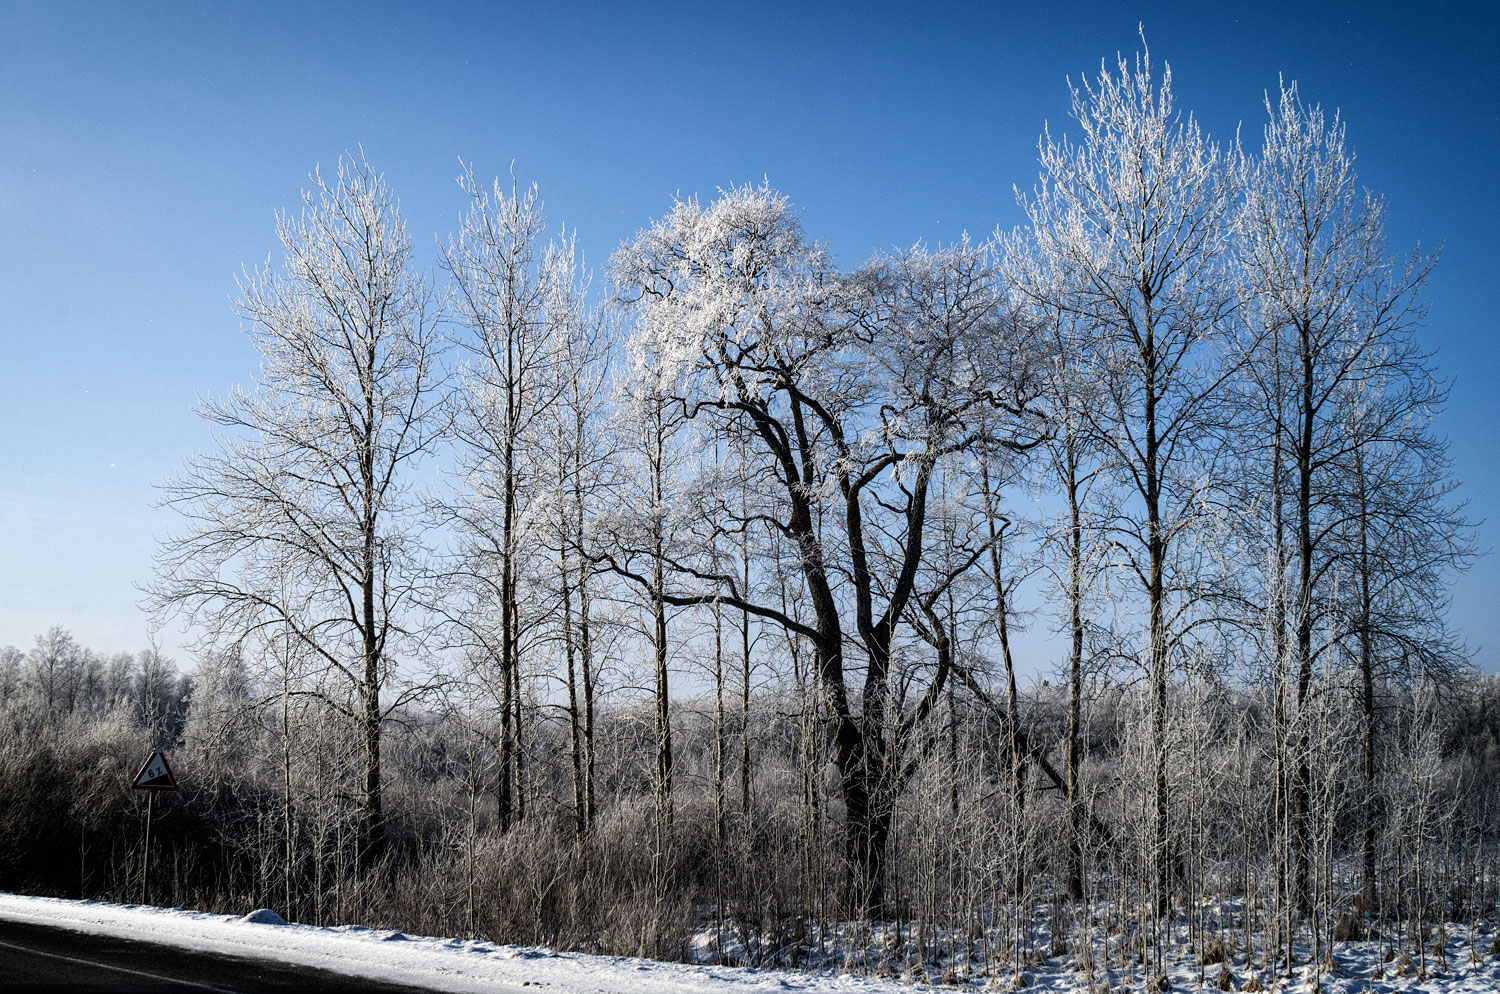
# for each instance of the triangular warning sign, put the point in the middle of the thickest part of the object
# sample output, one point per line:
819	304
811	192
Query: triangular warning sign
155	775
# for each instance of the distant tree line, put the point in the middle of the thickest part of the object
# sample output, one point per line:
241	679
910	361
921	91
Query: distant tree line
599	616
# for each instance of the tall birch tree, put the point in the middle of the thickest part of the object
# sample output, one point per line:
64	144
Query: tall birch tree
1132	221
499	280
1341	378
299	520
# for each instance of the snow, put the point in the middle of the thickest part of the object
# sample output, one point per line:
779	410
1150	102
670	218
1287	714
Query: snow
470	965
263	916
394	957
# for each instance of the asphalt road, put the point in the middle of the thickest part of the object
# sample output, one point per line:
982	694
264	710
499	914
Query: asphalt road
37	958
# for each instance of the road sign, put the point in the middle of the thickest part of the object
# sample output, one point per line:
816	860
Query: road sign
156	774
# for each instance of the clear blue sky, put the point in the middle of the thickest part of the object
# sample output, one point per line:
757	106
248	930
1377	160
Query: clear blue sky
144	149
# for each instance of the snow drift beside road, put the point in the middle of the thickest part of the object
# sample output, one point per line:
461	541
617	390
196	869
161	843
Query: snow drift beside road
394	957
466	965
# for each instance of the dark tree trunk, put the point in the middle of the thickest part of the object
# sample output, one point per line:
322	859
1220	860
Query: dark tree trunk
373	815
867	837
1076	812
1370	890
373	820
659	615
1302	782
1156	545
575	722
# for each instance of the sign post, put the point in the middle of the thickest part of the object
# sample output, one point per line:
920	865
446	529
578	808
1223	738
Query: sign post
155	776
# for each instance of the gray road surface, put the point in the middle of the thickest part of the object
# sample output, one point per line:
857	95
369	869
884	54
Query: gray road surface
37	958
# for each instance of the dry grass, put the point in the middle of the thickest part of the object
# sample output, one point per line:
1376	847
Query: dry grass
1214	951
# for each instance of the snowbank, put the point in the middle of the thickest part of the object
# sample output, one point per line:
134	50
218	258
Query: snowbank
394	957
463	965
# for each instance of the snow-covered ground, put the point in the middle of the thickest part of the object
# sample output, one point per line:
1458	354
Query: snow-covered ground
443	964
465	965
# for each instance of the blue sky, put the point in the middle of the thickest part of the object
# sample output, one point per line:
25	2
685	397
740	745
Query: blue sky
144	149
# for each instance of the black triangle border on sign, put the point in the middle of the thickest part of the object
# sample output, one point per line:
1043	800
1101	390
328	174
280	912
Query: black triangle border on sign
155	783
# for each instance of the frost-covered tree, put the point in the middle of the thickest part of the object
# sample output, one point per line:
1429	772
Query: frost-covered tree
52	668
10	675
218	734
500	277
1346	396
1130	226
1401	537
158	696
579	459
651	530
300	520
1075	553
847	390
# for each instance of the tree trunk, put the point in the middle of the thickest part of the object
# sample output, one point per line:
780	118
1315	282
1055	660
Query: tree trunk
1156	544
506	745
1302	782
1012	698
510	781
720	746
586	661
1370	891
372	815
1075	675
370	717
867	836
745	697
575	724
659	618
663	707
585	635
286	799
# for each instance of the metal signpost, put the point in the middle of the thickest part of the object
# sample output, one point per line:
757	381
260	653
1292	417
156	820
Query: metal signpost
155	776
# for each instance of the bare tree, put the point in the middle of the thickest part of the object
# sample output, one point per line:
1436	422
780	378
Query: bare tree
500	289
1345	391
848	392
652	528
579	460
11	673
158	696
300	518
52	668
1401	536
1075	547
1132	223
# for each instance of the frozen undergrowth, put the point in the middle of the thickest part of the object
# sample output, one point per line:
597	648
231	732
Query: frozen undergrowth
888	953
1460	958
